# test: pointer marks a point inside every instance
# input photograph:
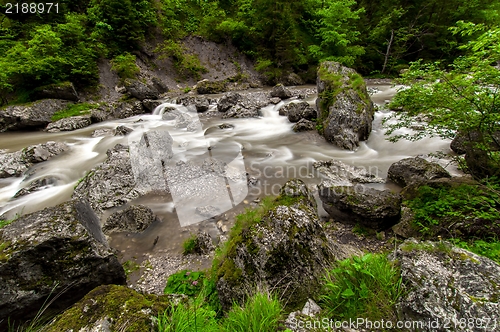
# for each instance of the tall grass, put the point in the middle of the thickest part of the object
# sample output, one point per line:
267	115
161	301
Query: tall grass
367	287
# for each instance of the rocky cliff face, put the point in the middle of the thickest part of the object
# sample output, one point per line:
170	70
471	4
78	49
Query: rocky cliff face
345	111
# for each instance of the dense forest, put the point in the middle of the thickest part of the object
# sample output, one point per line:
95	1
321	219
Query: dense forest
376	38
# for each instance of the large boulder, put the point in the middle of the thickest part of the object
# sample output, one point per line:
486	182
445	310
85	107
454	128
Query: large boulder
142	91
358	204
286	251
338	173
279	91
69	124
35	115
236	105
135	219
451	287
110	184
150	105
117	110
65	91
112	308
57	251
297	111
211	87
414	170
239	111
345	111
16	163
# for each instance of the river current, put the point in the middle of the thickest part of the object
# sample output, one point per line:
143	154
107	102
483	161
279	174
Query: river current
271	151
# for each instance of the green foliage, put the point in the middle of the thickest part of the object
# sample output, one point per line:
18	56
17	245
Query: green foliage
463	98
435	208
124	65
185	63
185	282
489	248
367	287
261	313
189	245
74	110
187	317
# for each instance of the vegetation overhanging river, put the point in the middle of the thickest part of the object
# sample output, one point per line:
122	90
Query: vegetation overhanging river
272	153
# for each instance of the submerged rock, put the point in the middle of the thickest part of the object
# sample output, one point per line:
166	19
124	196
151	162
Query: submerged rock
122	131
36	185
69	124
150	105
413	170
135	219
112	308
201	103
358	204
304	125
286	251
16	163
448	285
30	116
345	110
57	251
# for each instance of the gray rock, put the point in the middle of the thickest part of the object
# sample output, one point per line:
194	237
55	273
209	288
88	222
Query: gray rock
358	204
102	132
203	244
287	252
229	100
30	116
59	250
201	103
113	308
69	124
345	110
405	227
150	104
298	111
340	174
211	87
275	100
293	79
140	90
112	183
159	85
239	111
304	125
207	211
17	163
122	131
64	91
449	285
281	92
413	170
135	219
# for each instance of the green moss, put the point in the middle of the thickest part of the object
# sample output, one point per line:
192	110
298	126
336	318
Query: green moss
5	251
126	309
130	267
74	110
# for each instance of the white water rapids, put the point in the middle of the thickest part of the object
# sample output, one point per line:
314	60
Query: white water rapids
272	153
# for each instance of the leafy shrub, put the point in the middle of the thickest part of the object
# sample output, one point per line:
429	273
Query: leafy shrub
124	65
438	207
185	282
190	244
188	317
367	286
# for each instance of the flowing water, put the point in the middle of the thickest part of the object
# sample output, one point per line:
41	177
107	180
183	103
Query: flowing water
272	153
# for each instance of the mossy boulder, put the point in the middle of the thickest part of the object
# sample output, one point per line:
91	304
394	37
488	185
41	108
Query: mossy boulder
345	111
57	251
372	208
112	308
447	284
211	87
414	170
286	250
64	90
